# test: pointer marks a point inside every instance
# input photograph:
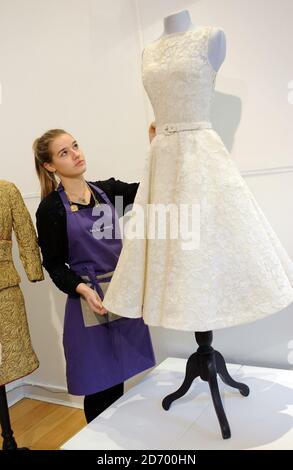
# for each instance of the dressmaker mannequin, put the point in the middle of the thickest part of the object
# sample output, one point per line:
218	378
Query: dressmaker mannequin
205	363
18	358
181	22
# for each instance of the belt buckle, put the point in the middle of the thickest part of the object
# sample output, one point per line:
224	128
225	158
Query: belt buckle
169	129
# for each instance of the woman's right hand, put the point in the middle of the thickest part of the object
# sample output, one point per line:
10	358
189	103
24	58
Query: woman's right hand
93	299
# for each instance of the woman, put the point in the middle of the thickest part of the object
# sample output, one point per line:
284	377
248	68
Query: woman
101	349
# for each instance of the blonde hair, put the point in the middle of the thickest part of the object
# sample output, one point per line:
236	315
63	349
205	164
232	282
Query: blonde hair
42	153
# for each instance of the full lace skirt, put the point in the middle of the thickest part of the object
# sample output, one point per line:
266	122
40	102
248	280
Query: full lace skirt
238	272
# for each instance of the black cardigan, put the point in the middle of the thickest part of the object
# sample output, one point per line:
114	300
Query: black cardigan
52	230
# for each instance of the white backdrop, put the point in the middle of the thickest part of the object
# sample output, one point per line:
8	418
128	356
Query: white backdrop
77	65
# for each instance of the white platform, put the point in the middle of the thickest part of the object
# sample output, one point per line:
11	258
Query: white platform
263	420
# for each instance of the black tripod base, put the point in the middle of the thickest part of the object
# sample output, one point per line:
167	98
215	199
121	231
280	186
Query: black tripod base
9	442
206	363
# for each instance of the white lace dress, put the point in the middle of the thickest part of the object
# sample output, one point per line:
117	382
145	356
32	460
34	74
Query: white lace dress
239	271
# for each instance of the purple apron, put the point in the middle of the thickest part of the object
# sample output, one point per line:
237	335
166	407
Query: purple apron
100	350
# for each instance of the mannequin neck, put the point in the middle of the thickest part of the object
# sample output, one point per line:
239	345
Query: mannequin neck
178	22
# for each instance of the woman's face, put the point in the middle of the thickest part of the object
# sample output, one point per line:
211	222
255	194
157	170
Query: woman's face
67	158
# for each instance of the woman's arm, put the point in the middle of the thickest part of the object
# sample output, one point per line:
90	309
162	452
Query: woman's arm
52	239
113	187
127	191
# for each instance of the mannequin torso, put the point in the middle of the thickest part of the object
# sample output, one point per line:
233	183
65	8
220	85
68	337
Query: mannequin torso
181	22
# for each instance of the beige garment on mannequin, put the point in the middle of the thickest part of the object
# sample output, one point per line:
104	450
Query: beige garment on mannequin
239	271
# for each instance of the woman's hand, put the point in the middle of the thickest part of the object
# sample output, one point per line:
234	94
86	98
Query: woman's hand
152	131
93	299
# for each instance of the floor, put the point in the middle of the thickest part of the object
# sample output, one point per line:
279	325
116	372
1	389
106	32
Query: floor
44	426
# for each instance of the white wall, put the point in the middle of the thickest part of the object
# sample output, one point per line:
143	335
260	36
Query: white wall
76	64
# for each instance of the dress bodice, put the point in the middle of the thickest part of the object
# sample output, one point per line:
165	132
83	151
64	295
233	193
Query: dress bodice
178	76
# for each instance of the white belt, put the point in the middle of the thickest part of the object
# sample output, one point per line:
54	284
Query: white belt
170	128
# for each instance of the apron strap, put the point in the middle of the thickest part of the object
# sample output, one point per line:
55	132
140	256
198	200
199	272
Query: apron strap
67	206
65	201
101	192
104	195
63	196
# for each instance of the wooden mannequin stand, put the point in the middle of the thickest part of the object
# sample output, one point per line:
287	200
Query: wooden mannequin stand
206	363
9	442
